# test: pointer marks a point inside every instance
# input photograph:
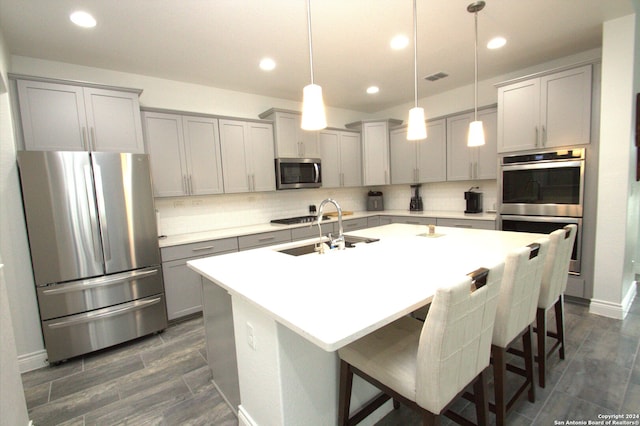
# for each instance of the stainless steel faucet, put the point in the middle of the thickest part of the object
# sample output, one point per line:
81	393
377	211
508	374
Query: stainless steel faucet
334	242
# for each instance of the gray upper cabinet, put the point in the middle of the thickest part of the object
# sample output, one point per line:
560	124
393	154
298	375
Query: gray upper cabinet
471	163
185	154
553	110
375	150
290	140
341	158
247	156
419	161
67	117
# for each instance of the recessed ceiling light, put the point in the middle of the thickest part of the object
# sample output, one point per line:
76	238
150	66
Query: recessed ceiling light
267	64
399	42
373	89
82	19
496	43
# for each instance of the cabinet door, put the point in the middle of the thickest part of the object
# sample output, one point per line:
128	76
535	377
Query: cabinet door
459	164
566	108
113	119
263	175
183	289
403	157
350	159
165	145
53	116
519	116
202	152
486	157
432	153
330	156
233	137
375	154
286	130
309	145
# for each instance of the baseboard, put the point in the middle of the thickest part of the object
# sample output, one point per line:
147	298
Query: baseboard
32	361
611	309
244	419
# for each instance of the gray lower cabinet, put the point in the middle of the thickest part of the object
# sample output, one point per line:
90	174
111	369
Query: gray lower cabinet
414	220
355	224
247	242
467	223
182	286
306	232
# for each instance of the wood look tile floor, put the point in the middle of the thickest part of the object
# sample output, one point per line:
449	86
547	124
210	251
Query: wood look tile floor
164	379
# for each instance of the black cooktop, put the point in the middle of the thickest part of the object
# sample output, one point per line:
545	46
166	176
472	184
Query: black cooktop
298	219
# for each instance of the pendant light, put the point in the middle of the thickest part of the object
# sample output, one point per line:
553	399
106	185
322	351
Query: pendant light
417	128
313	114
476	131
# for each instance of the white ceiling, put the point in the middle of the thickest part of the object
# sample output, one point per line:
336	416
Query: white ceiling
220	42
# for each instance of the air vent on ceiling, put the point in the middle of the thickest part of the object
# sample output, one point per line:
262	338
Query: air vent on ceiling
436	76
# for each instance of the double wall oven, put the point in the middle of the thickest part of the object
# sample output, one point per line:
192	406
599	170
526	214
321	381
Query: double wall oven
543	191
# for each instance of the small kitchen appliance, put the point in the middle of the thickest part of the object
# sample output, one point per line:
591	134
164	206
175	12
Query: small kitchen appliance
474	200
375	201
415	205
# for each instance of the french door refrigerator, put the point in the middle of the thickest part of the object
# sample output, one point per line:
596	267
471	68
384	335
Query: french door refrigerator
94	248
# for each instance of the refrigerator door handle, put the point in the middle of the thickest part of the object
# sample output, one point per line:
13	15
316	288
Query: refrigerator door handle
92	213
136	305
104	229
100	282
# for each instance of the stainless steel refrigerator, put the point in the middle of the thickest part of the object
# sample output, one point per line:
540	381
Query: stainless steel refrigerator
94	248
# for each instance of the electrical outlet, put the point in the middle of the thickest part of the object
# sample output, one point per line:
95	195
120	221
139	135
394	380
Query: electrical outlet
178	203
251	338
196	202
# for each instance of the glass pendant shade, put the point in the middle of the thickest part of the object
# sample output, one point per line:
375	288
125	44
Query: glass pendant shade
476	134
313	114
417	129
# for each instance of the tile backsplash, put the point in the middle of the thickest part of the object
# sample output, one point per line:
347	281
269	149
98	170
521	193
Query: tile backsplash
181	215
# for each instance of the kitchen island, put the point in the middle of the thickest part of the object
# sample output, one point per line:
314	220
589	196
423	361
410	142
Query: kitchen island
291	313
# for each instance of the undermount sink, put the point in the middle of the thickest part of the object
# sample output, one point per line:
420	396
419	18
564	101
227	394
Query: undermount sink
350	241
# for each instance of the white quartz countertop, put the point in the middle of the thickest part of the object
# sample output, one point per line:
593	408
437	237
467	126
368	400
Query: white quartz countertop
336	298
215	234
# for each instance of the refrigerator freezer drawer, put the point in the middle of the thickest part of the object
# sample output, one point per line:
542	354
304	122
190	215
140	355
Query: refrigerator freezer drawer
79	334
94	293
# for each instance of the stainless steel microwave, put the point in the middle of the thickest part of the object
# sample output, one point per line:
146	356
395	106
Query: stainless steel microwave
295	173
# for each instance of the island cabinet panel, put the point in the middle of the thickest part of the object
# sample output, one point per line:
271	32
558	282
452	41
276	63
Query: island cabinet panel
419	161
67	117
341	157
182	285
291	141
467	223
247	242
552	110
471	163
185	154
247	156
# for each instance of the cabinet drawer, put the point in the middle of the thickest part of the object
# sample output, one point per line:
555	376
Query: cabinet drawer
305	232
414	220
264	239
468	223
200	249
354	224
373	221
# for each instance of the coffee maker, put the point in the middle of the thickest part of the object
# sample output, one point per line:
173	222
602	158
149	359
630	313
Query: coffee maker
415	205
474	200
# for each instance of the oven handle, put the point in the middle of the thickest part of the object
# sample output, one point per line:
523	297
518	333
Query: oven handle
555	219
544	165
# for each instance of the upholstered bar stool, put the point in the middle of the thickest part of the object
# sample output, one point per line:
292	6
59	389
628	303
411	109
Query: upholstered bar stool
516	312
426	365
554	284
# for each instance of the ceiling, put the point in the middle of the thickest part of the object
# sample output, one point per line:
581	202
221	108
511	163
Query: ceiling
220	42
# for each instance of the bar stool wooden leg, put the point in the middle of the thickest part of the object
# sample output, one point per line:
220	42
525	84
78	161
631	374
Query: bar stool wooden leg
559	307
481	391
430	419
499	373
541	332
344	393
528	362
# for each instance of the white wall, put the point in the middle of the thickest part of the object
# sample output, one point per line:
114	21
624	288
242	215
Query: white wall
618	196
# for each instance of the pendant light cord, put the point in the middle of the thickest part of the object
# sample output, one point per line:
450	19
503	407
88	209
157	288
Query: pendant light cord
415	53
475	103
310	41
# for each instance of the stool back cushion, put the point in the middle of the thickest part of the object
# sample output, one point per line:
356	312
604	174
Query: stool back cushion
518	299
556	268
455	341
